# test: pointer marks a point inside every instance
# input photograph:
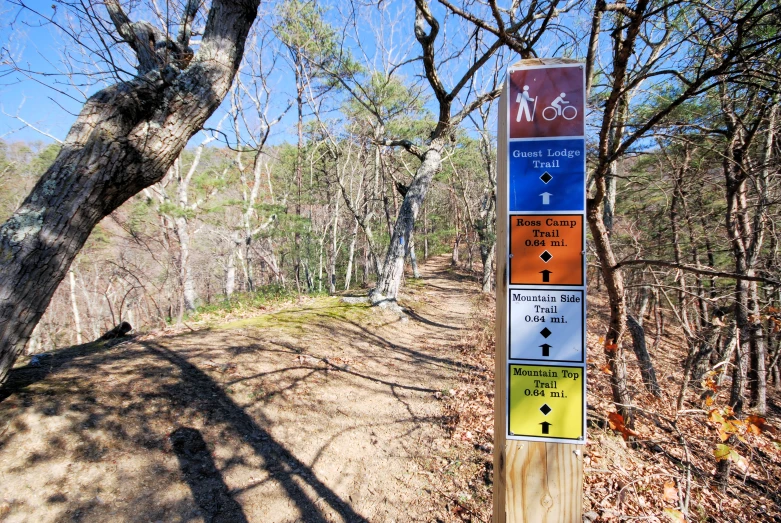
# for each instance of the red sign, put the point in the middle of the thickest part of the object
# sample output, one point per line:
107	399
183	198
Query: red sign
547	102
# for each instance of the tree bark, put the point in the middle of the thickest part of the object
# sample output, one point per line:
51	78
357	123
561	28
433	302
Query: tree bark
425	233
614	282
393	268
334	248
230	273
413	257
126	138
644	359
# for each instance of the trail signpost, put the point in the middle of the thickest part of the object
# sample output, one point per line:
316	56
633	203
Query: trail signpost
540	401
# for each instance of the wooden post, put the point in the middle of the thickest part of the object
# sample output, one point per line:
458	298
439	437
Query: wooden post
500	370
534	481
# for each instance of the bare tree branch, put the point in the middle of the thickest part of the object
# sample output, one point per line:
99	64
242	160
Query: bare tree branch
696	270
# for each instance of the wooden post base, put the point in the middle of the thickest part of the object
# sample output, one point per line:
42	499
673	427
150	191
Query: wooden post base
544	482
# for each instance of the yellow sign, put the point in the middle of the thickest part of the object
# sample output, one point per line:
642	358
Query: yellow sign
546	402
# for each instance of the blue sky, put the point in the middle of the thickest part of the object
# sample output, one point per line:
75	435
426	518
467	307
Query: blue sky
36	48
49	101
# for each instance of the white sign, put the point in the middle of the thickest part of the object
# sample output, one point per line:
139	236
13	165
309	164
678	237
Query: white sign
546	325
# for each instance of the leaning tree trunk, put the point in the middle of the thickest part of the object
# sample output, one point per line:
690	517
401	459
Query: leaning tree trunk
393	269
614	282
643	358
126	138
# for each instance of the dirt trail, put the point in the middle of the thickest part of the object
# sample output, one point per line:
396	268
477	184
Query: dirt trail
321	411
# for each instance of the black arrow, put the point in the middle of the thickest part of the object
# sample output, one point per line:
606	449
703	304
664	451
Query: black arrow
545	349
545	426
545	275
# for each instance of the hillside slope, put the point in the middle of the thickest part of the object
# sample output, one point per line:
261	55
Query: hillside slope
318	411
321	410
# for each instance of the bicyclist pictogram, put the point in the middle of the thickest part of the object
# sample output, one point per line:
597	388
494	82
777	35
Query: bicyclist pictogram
559	108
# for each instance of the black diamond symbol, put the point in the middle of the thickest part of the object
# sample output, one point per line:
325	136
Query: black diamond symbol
546	256
546	177
545	332
545	409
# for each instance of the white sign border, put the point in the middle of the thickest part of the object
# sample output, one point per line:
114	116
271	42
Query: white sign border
508	435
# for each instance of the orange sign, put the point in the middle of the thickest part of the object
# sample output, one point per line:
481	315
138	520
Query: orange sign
546	249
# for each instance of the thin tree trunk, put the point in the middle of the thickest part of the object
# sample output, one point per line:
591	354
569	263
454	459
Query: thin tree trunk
488	263
678	200
299	173
425	232
758	353
74	307
644	359
249	259
230	271
725	353
614	282
412	258
351	255
645	297
457	242
611	186
320	264
189	296
332	268
456	247
365	278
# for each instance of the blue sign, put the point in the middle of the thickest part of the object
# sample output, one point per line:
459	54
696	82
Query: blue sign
547	175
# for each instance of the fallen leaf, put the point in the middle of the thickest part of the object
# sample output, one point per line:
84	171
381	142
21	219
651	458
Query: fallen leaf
715	416
721	452
616	422
670	492
757	425
675	515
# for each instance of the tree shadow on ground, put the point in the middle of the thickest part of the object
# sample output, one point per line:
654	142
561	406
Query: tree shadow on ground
177	385
283	466
417	317
206	484
92	406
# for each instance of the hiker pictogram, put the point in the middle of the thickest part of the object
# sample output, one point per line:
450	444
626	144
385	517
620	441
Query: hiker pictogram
523	99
